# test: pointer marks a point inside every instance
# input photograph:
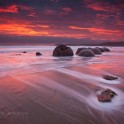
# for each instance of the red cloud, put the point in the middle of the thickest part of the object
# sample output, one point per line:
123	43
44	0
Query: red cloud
67	9
102	16
33	14
95	30
100	33
103	6
15	9
31	28
9	9
97	6
50	12
36	30
62	12
23	7
23	29
120	23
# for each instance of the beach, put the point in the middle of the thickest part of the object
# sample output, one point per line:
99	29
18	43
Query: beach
59	90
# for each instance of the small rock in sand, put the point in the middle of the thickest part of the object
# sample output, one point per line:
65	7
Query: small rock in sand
24	52
38	54
109	77
18	54
106	95
103	98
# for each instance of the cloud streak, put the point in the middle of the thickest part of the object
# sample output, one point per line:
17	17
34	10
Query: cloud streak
22	29
9	9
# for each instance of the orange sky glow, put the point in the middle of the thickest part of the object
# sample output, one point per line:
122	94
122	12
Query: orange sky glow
87	20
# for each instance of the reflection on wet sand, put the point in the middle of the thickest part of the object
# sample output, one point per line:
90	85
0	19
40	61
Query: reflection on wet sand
60	90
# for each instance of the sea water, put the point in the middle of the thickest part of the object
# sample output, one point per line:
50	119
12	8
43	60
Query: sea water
52	90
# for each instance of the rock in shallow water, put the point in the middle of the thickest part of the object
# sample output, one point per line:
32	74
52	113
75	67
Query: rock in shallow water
38	54
106	95
18	54
103	98
96	51
106	49
86	53
79	49
108	92
67	52
56	51
24	52
101	49
108	77
63	50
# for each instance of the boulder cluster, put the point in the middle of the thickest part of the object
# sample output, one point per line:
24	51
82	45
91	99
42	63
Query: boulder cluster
91	52
106	95
63	50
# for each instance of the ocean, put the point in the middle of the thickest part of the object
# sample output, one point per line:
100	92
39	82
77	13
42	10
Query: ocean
59	90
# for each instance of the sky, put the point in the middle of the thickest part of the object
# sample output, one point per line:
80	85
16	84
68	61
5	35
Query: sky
61	21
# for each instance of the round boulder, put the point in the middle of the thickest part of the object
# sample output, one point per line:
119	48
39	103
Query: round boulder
106	49
79	49
63	50
56	51
86	53
24	52
38	54
67	52
96	51
101	49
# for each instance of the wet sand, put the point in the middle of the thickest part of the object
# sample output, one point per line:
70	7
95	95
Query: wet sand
48	90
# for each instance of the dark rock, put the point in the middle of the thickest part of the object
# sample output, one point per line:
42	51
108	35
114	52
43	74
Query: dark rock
67	52
104	98
38	54
24	52
18	54
62	47
108	77
79	49
108	92
96	51
86	53
101	49
56	51
62	50
106	95
106	49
